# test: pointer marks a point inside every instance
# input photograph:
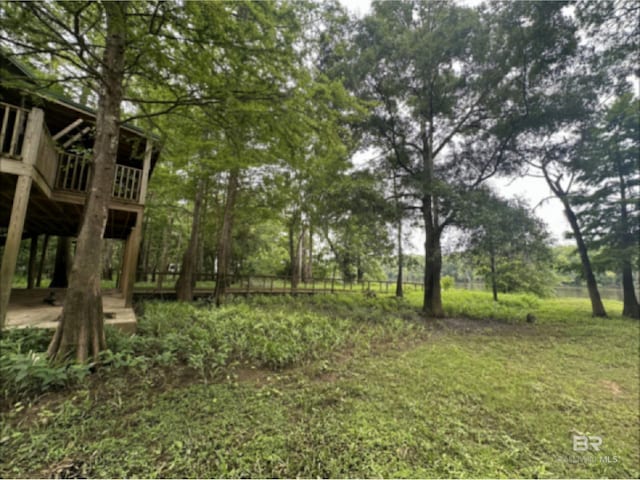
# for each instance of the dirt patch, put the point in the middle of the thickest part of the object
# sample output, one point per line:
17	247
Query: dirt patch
489	326
612	387
246	374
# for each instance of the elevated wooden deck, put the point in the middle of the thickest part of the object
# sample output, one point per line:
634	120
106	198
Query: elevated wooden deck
28	309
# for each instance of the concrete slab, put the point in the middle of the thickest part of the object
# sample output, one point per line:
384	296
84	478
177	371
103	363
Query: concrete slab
27	308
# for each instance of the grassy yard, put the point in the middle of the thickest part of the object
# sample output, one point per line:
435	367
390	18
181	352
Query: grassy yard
341	386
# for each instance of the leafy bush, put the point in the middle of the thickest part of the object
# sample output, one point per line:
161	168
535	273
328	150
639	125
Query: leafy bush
208	339
26	339
271	332
446	283
24	369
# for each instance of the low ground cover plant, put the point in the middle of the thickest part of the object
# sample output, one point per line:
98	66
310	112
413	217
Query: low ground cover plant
339	387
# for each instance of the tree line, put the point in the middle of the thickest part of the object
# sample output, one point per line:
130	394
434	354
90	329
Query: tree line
262	108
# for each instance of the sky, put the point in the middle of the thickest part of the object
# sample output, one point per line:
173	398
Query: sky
534	190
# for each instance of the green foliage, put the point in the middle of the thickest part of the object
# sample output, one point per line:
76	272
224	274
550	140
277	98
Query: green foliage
607	163
25	370
488	399
474	304
508	244
264	332
447	282
21	340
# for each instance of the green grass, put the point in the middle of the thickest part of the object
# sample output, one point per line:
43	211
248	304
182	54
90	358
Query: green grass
376	392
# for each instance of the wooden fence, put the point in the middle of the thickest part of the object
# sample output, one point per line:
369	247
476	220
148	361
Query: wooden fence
244	284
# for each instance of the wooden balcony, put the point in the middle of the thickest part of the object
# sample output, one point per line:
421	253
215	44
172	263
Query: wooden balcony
57	170
74	174
46	169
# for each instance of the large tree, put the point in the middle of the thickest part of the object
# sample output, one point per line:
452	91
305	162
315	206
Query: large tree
80	332
451	86
507	243
609	204
553	138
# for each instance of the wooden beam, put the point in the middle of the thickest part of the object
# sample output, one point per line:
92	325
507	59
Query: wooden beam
124	264
76	137
19	210
16	167
146	168
12	244
130	260
67	129
79	198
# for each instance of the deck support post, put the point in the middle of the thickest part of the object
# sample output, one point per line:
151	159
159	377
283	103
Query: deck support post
132	247
30	148
32	270
130	260
146	168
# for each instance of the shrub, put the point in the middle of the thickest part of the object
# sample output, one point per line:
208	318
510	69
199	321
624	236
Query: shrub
23	366
26	374
446	283
263	331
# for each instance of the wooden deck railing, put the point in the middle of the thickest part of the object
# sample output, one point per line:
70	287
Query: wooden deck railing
74	174
126	183
13	120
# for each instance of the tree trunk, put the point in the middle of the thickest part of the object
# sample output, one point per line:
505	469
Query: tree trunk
432	305
43	258
303	255
187	281
80	332
432	268
163	265
200	264
143	258
597	308
308	265
494	283
300	253
293	255
224	243
399	290
630	307
60	277
295	249
359	270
